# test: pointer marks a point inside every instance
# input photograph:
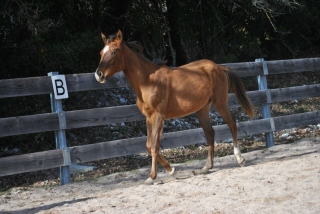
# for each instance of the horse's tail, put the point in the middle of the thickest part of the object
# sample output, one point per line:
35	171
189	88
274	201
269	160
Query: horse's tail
237	87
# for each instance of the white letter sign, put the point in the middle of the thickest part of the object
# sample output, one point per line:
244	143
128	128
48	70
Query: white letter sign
59	87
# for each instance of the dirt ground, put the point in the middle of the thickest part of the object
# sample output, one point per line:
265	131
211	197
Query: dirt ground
282	179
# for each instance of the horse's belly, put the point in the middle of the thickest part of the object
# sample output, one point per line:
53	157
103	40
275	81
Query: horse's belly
183	107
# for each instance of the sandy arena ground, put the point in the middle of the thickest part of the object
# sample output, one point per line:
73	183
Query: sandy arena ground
282	179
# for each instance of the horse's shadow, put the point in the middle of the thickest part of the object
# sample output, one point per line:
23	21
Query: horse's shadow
47	207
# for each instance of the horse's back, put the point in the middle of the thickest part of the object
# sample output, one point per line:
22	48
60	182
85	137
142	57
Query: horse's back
199	63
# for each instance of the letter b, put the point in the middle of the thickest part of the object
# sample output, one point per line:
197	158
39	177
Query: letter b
59	87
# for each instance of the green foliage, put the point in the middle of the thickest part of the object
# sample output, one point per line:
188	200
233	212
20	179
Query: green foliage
40	36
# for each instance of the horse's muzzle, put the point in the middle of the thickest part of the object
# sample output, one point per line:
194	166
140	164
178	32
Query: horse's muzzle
99	76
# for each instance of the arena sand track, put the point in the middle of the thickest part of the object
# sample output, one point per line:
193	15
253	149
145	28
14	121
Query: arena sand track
282	179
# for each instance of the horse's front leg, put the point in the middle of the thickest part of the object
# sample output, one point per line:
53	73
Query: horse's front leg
154	131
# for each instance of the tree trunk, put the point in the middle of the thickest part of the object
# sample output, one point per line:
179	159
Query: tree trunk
173	19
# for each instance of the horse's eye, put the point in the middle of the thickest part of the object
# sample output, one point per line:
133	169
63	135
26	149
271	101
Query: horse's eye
113	53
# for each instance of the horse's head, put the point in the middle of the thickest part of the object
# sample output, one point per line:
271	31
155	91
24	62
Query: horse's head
112	57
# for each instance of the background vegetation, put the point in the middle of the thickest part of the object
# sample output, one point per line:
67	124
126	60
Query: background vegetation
63	35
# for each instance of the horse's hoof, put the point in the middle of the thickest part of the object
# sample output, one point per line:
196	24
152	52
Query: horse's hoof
172	171
202	171
149	181
243	162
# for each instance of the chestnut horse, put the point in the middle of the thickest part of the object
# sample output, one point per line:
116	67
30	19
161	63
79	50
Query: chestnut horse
164	93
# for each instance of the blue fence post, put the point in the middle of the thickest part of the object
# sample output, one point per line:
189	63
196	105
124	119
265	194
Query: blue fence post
60	136
266	113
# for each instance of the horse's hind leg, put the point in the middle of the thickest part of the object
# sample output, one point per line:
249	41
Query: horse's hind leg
165	164
204	120
223	110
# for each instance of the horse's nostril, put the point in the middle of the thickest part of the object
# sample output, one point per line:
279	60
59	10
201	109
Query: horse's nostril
100	74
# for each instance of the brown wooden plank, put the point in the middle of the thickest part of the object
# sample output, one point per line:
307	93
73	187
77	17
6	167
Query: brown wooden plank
294	93
28	124
80	154
256	97
83	82
30	162
98	151
103	116
91	152
87	81
245	69
74	119
42	85
297	120
279	95
253	127
293	65
276	66
20	87
196	136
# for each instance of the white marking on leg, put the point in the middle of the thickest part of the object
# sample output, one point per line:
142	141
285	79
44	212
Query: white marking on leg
105	49
149	181
237	153
172	171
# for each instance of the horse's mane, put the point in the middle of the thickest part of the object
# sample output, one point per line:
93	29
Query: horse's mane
137	48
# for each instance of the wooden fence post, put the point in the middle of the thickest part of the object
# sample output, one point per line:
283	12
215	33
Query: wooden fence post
266	113
60	136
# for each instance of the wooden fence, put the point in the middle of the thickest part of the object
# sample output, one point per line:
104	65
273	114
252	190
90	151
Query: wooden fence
60	120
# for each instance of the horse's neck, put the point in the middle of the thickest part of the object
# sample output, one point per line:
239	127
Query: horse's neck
138	71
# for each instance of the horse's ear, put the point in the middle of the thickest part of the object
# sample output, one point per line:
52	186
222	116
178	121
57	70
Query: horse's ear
119	36
104	39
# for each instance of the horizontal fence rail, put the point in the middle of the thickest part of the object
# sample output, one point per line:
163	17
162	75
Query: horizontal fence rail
56	121
85	82
108	115
131	146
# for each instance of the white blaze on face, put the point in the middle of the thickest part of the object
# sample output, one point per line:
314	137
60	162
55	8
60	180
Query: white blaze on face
105	49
